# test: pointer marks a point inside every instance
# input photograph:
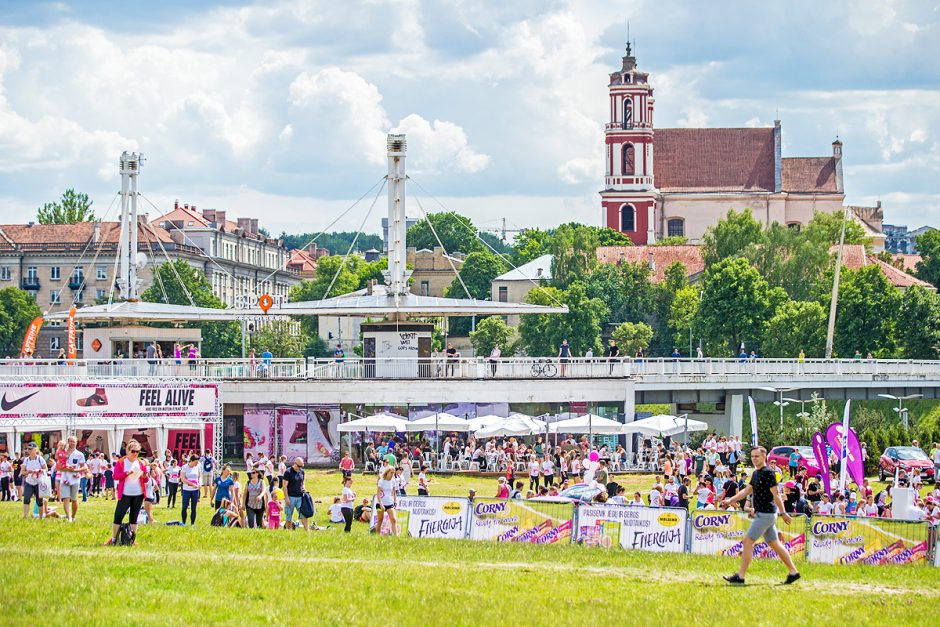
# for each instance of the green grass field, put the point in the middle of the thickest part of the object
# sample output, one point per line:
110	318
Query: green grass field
55	572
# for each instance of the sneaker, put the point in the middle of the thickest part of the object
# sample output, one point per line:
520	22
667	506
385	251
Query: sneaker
110	542
791	578
734	579
95	400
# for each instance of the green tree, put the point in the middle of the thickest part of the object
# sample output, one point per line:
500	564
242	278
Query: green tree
796	325
682	313
928	268
581	326
866	317
673	240
490	332
337	242
178	283
71	208
791	259
625	289
919	323
348	277
457	233
734	305
477	273
17	310
631	337
574	251
535	329
730	236
282	338
827	227
607	236
530	244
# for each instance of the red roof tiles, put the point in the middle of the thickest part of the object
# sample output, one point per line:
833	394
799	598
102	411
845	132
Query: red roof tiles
809	174
663	256
713	159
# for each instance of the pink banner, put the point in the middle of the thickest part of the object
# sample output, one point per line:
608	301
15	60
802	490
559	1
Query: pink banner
822	462
294	431
855	465
257	430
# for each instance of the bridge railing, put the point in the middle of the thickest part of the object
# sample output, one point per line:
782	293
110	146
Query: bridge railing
439	367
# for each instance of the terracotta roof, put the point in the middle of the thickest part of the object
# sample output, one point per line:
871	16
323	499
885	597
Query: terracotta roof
663	256
78	233
855	257
714	159
908	261
185	214
809	174
303	262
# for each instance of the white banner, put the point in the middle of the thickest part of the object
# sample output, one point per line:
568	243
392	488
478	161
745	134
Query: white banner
107	400
429	517
644	528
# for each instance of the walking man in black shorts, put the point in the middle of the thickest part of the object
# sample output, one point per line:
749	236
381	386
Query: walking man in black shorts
767	502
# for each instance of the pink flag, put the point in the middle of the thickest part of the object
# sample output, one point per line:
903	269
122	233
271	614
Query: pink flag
855	466
819	449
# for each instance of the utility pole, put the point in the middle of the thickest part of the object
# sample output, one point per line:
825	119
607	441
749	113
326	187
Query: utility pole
835	287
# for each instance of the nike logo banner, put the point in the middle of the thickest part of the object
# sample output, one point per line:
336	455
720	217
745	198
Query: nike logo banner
6	405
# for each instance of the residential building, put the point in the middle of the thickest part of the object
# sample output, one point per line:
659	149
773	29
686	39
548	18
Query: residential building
304	260
898	239
663	182
514	286
409	222
433	270
242	263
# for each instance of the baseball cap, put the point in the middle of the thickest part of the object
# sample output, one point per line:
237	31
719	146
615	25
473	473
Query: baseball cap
789	484
31	445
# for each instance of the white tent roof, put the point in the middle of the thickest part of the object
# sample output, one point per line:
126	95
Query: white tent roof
518	426
439	422
588	423
142	311
484	421
380	423
663	424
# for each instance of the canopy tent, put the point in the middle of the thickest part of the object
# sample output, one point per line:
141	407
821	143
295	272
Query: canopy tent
382	422
479	422
663	425
141	311
588	423
513	426
442	421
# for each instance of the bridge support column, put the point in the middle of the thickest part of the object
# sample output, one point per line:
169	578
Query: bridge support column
629	415
734	414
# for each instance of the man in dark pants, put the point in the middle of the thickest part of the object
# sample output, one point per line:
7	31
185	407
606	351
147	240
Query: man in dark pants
767	502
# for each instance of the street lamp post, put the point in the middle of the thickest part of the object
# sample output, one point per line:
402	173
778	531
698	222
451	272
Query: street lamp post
900	409
780	402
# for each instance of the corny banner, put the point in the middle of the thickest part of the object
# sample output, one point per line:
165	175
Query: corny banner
661	529
538	522
429	517
873	541
721	532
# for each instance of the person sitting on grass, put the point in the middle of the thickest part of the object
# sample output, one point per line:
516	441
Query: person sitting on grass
336	512
363	511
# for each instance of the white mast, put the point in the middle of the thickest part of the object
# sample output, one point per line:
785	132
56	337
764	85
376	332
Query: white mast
396	276
127	246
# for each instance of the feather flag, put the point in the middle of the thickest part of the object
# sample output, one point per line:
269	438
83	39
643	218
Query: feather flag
29	341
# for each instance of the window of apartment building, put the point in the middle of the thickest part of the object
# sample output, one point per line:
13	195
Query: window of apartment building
54	273
78	274
80	296
425	288
54	343
101	273
503	294
79	344
4	273
675	227
100	294
54	323
54	297
31	274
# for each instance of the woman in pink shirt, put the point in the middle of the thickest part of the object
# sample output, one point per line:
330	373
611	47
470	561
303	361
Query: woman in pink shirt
347	465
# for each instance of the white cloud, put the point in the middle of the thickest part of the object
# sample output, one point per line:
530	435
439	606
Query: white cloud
439	145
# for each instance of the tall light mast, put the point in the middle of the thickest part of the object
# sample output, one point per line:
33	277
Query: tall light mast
397	276
127	245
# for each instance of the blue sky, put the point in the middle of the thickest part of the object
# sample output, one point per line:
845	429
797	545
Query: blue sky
279	109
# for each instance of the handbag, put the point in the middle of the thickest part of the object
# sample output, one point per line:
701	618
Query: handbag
306	505
45	487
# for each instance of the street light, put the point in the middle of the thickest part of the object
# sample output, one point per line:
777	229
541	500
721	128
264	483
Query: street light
779	403
803	413
900	409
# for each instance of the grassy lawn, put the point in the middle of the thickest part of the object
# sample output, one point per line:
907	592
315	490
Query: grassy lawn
55	572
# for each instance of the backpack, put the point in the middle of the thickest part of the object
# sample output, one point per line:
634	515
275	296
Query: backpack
207	464
306	505
125	536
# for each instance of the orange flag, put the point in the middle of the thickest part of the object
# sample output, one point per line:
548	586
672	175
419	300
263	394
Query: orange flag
72	348
29	342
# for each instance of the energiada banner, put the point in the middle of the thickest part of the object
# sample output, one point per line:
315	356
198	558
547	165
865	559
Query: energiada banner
428	517
721	532
873	541
108	400
538	522
644	528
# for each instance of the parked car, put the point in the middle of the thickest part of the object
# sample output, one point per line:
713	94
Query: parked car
908	458
781	455
578	493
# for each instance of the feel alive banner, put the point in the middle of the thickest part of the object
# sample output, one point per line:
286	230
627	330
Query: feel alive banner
644	528
721	532
872	541
108	400
538	522
428	517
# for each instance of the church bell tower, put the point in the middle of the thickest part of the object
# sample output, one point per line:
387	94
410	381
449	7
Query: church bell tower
629	195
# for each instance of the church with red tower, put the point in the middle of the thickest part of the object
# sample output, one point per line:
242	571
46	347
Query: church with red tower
680	181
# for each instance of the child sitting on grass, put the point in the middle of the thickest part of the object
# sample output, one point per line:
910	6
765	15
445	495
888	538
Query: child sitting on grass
336	512
275	507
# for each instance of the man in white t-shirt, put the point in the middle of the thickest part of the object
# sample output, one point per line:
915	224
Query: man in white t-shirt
75	469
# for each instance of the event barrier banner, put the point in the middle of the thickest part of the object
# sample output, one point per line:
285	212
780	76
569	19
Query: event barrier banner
256	430
850	540
429	517
661	529
108	400
721	532
539	522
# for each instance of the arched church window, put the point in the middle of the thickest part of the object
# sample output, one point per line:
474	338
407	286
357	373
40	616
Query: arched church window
628	112
629	160
627	218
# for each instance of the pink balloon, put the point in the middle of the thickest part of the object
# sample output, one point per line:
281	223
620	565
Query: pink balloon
594	456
